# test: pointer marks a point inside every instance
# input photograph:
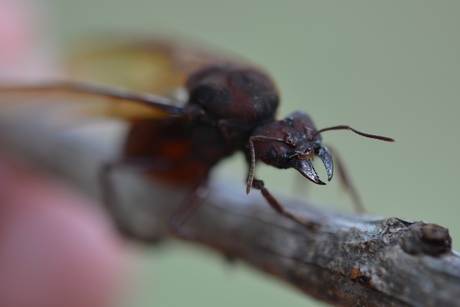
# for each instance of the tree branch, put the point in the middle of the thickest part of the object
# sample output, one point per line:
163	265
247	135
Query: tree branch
347	261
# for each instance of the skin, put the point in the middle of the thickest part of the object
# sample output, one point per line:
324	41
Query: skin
56	248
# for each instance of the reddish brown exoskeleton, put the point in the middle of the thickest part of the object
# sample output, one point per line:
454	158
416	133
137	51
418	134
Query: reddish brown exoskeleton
230	107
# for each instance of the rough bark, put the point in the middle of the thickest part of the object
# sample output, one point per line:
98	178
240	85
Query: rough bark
348	260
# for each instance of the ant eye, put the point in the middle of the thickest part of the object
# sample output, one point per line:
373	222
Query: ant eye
271	154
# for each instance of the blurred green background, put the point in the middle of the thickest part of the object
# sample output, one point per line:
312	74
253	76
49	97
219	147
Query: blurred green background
385	67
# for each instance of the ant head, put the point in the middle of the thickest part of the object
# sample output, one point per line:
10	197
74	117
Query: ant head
293	142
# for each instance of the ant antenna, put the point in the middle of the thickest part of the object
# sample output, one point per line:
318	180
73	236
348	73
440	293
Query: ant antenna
344	127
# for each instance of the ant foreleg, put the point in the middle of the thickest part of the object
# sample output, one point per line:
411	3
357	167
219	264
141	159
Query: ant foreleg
259	185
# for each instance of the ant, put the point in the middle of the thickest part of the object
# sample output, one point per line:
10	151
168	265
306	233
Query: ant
231	108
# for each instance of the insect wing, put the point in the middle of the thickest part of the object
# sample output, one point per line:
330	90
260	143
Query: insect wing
156	66
129	70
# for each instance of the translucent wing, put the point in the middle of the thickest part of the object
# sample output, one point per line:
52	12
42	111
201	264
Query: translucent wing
154	66
143	79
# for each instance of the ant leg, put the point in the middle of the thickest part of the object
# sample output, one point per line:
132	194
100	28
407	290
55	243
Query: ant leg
346	181
251	156
193	201
259	185
140	164
145	164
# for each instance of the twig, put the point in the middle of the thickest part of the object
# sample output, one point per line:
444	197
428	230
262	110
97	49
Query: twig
347	261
